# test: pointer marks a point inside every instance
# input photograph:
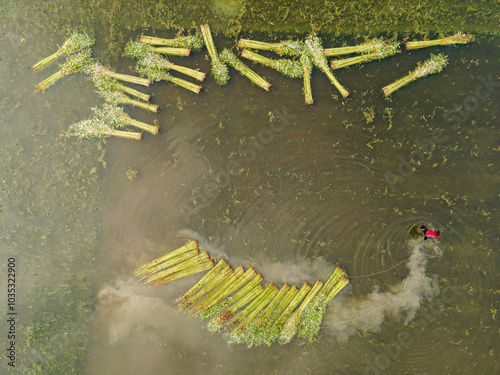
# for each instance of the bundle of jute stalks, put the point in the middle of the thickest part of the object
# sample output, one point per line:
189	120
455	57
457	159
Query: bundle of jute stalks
234	302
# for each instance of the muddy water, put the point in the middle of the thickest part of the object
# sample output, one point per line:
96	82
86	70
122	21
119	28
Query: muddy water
263	180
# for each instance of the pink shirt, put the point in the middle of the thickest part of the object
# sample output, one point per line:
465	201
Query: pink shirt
430	233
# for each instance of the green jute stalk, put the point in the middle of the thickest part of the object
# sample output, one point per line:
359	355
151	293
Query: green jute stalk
312	316
200	258
112	84
214	272
269	331
368	47
173	51
158	74
340	285
201	261
148	57
289	68
95	128
194	42
458	38
184	273
288	47
220	71
76	42
216	323
239	322
116	117
290	327
385	51
225	292
74	63
433	65
213	296
332	281
228	57
255	334
99	71
165	265
275	330
251	281
307	66
224	274
315	51
236	318
191	245
117	97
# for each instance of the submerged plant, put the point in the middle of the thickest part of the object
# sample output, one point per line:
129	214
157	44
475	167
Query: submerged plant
76	42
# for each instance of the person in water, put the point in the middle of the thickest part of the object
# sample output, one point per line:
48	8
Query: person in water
429	233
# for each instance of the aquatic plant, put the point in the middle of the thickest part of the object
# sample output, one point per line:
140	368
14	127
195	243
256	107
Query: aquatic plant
96	128
289	68
148	57
193	42
433	65
315	51
371	46
285	48
220	72
97	70
76	42
458	38
385	50
115	116
229	58
74	63
174	51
